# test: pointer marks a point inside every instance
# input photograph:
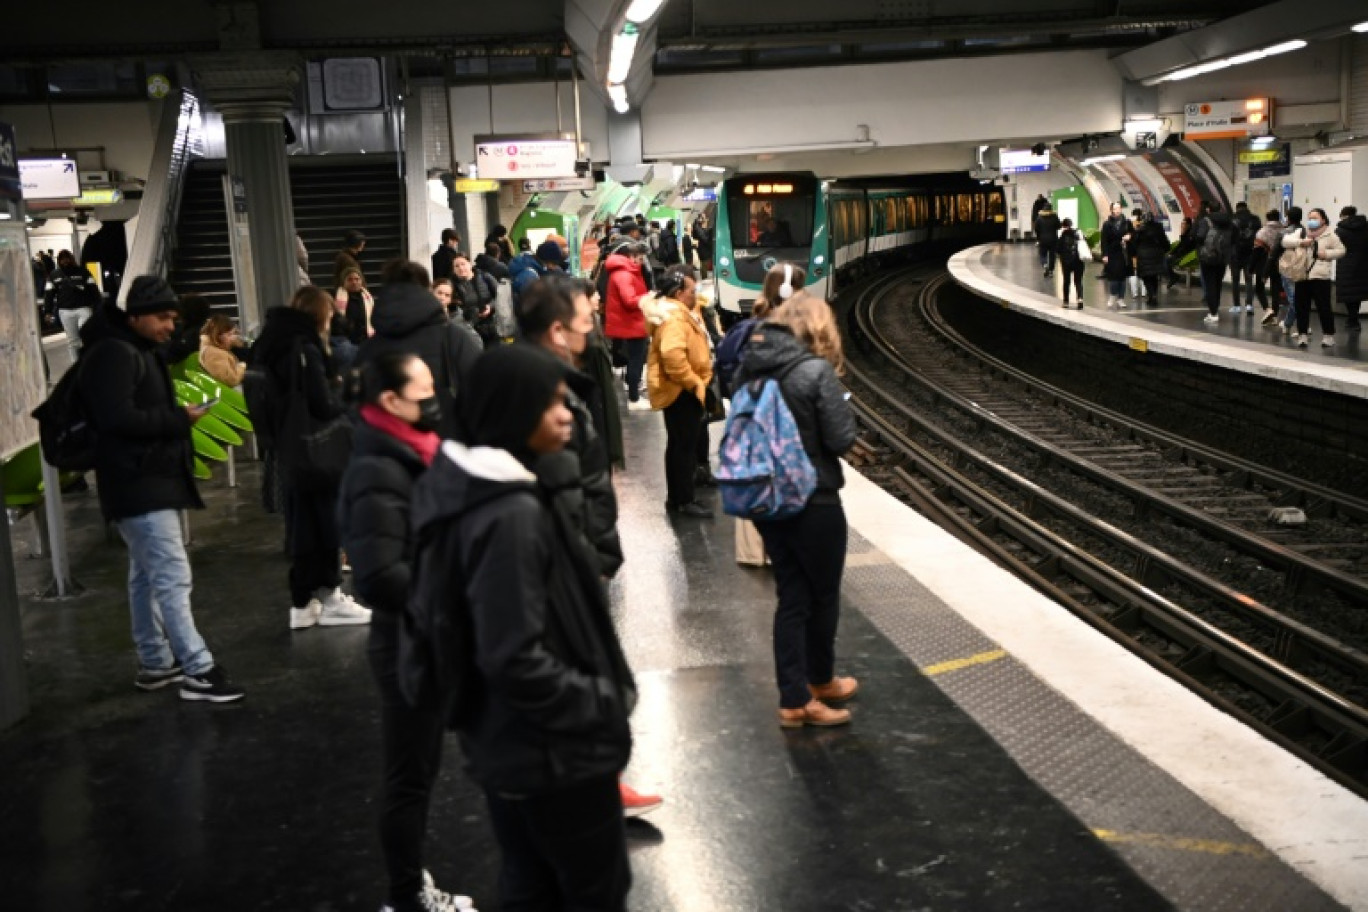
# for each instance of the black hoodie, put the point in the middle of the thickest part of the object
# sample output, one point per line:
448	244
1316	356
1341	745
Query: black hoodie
143	458
545	690
1351	272
408	318
813	394
287	330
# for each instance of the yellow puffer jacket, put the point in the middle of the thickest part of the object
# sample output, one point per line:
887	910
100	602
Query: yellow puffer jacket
681	357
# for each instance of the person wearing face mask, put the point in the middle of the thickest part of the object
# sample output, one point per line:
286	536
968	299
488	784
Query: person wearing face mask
679	369
1115	264
545	690
395	442
1317	288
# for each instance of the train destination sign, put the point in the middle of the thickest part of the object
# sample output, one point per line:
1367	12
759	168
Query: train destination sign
524	159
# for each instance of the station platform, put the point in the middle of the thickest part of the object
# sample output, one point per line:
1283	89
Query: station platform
1010	275
1002	756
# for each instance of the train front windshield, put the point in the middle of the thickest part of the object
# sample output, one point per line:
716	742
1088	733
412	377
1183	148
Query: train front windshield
771	214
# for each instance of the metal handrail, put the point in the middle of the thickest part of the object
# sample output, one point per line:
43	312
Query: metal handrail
188	145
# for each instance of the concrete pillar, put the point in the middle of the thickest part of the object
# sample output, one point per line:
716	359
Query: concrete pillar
253	91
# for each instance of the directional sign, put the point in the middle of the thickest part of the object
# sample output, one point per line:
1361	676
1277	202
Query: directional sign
559	185
1227	119
515	159
49	178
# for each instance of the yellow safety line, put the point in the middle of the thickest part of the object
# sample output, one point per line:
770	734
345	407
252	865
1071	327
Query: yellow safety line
1183	843
981	658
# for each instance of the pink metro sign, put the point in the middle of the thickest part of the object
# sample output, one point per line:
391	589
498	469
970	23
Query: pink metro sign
518	158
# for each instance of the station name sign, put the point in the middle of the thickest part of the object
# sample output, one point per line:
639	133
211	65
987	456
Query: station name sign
524	157
1228	119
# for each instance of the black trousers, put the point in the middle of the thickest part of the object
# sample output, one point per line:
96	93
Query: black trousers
412	750
1212	276
807	553
1073	274
1047	258
1351	308
562	852
1317	293
637	349
683	425
1258	276
312	541
1239	274
1151	287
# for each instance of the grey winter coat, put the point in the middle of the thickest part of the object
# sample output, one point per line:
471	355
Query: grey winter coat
813	394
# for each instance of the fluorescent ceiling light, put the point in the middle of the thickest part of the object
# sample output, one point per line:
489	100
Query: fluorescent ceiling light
714	169
618	93
1286	46
1147	125
624	47
1248	58
1361	27
642	10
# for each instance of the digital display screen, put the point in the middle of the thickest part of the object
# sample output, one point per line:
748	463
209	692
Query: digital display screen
767	189
1021	161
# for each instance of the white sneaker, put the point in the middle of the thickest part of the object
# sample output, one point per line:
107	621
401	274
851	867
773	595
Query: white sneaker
1111	302
641	405
1235	308
442	900
1327	341
306	617
1120	303
1249	308
1303	339
1211	319
339	610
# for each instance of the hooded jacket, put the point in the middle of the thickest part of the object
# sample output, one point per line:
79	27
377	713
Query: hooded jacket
287	330
1213	221
1046	228
523	270
221	363
622	316
143	458
546	689
408	318
1351	273
593	500
813	394
680	357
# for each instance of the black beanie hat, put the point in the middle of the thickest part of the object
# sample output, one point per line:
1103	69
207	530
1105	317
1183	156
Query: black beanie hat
508	391
149	295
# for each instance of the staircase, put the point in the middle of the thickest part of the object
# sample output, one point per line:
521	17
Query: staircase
331	195
203	264
335	193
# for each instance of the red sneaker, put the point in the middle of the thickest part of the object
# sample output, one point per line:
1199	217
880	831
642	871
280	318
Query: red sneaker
634	804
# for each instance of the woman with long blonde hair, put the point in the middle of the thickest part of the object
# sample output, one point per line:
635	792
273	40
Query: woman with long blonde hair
799	347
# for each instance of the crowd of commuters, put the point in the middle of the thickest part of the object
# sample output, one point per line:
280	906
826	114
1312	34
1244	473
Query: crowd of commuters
476	484
1303	261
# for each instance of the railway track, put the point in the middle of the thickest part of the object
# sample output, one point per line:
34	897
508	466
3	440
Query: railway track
1164	544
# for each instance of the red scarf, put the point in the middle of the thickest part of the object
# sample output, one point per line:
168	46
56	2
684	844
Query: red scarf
424	443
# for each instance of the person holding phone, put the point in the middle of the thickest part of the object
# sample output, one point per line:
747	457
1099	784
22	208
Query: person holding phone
144	473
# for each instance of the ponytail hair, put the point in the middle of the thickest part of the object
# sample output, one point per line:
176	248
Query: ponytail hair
385	373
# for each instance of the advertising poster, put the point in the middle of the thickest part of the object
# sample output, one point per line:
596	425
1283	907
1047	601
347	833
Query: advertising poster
1184	190
21	349
1149	202
1198	172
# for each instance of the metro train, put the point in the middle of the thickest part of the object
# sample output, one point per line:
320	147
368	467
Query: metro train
838	230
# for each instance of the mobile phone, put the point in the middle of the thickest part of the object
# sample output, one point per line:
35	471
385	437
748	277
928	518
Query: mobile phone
207	404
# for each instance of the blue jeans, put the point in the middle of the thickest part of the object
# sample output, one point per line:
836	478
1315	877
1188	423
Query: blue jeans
159	594
1290	289
1116	288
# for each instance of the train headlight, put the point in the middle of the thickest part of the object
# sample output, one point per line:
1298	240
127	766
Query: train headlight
818	260
725	261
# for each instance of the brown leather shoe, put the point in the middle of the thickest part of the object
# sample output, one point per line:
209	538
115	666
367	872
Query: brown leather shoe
837	690
815	713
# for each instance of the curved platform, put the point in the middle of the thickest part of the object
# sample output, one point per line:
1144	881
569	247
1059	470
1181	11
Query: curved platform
1003	755
1010	275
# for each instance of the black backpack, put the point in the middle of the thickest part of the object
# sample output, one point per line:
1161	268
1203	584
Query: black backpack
66	431
1215	250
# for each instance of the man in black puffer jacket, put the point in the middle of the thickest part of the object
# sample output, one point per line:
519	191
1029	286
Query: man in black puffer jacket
408	318
145	475
1351	273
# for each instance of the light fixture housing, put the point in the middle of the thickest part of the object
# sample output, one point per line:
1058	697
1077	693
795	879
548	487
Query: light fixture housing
1211	66
624	49
618	94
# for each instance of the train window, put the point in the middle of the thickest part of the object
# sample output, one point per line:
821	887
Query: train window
765	219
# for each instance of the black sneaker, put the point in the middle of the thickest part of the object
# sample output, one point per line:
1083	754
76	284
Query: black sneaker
695	510
704	478
157	678
212	686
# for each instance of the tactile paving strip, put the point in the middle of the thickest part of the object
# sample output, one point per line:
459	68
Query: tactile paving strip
1194	856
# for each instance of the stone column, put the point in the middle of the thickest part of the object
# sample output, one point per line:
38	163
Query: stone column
253	91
